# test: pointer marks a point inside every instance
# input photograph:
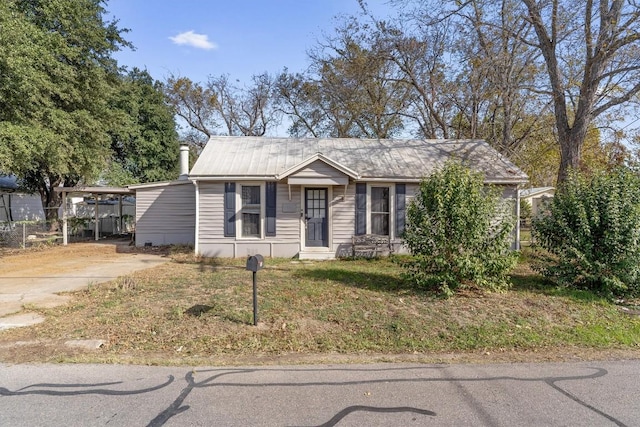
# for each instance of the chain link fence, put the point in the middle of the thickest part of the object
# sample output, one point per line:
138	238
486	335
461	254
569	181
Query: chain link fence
26	234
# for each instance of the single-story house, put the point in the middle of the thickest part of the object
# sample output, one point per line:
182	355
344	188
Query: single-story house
286	197
536	197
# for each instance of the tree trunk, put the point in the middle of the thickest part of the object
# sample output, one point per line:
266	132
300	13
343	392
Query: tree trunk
51	202
570	150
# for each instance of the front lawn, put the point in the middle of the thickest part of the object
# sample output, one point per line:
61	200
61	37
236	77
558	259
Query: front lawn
191	311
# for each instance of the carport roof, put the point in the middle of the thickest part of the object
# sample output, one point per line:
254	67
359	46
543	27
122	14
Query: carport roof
94	190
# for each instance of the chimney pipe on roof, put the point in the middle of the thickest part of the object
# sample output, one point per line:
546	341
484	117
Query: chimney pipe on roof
184	162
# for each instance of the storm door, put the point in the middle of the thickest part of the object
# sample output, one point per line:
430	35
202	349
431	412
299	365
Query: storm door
315	210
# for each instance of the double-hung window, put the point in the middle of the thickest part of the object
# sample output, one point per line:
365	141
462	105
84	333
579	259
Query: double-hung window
251	211
380	210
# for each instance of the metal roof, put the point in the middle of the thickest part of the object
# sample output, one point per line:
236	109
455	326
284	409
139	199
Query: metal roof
245	158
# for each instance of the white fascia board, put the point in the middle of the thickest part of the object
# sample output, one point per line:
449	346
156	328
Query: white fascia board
232	178
506	181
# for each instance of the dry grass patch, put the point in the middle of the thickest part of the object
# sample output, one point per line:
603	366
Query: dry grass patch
200	311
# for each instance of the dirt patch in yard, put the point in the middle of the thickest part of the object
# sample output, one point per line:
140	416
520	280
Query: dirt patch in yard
45	259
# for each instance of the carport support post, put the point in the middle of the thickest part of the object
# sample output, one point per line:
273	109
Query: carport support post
97	227
255	299
64	218
120	227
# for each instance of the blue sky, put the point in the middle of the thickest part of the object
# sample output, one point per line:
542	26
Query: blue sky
241	38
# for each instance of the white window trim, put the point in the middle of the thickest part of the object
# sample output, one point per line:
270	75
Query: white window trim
263	209
392	206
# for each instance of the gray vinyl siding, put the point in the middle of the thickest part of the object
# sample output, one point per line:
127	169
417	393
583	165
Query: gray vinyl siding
287	222
343	215
509	191
212	212
412	189
213	243
319	169
165	215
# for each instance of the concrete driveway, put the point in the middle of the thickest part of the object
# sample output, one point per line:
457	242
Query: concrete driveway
37	278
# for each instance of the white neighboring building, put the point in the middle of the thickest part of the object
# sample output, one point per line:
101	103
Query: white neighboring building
536	197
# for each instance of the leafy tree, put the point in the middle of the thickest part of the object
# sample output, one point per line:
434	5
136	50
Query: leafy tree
459	233
350	90
56	78
499	57
592	233
297	96
421	62
222	105
578	59
539	156
144	140
195	105
590	50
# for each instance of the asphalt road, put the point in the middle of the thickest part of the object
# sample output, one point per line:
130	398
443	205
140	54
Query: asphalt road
568	394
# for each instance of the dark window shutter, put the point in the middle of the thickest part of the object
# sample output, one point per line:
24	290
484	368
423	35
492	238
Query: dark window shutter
401	206
361	209
271	190
229	209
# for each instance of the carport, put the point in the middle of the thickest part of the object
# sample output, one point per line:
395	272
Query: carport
97	193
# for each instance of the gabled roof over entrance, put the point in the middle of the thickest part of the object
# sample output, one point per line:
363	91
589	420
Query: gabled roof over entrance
318	169
261	158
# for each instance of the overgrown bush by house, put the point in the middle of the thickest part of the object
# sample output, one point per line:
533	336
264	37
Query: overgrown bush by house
459	233
591	234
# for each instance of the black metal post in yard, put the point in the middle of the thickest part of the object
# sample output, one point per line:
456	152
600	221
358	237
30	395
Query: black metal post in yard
255	299
255	263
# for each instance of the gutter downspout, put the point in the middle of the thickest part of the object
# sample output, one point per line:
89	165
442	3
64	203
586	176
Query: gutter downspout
196	244
518	218
97	219
65	238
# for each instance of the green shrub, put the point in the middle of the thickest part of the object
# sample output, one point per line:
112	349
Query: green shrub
459	233
591	234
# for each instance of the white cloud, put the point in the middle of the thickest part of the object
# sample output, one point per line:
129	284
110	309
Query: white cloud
190	38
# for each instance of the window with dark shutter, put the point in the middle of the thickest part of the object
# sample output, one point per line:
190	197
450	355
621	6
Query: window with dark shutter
401	203
229	209
250	211
271	191
380	210
361	209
